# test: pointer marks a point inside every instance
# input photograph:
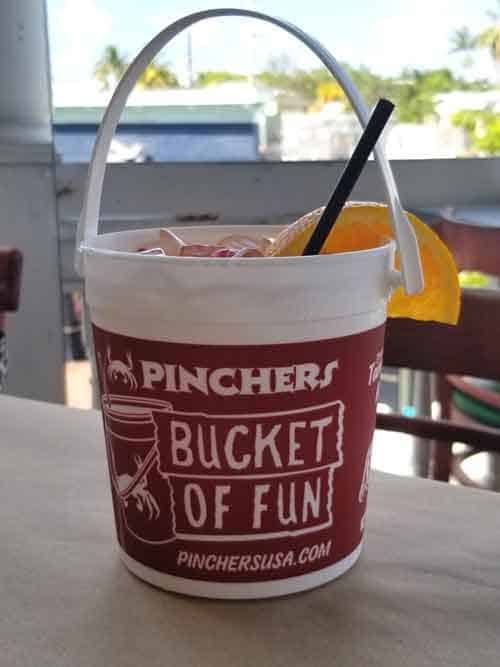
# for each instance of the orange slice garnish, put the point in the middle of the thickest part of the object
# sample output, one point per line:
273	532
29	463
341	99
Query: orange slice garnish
364	225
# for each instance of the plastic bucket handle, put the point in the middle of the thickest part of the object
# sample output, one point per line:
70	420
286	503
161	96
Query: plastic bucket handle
89	220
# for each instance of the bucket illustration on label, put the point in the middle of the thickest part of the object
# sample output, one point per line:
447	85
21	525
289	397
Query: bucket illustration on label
141	495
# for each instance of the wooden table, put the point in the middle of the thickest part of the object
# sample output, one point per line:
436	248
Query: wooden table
425	592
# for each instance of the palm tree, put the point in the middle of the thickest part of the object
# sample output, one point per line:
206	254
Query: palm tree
112	64
157	75
489	38
110	67
463	40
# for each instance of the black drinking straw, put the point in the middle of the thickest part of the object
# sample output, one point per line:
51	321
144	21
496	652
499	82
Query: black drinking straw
351	173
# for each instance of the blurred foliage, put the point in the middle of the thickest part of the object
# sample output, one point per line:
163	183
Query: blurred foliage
473	279
414	92
488	38
303	83
211	77
112	64
483	128
157	75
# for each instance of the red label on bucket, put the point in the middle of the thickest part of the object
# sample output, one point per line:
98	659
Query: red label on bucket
239	463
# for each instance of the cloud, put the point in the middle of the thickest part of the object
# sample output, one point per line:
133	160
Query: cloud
79	30
418	39
238	44
409	40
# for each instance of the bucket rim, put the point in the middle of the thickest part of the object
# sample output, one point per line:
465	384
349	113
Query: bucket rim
111	400
89	250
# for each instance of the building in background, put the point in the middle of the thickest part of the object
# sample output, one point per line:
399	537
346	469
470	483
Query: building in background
227	122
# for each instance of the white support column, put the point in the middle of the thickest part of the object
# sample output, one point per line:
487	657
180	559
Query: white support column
28	201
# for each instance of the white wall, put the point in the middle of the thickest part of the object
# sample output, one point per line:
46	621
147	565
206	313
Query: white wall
153	195
325	135
27	195
331	134
410	141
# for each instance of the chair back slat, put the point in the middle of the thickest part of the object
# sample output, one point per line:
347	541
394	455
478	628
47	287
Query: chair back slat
472	347
474	248
10	278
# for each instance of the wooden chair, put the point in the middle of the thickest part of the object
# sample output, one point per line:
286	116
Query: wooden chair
10	278
10	287
475	247
469	348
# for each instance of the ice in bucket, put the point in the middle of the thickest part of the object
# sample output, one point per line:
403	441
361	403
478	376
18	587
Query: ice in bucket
238	389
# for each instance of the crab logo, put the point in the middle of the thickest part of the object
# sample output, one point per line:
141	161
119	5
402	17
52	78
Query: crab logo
118	371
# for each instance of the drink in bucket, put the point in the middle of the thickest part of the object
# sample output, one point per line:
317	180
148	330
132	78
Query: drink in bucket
239	382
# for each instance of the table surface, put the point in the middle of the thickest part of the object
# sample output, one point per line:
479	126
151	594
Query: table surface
426	591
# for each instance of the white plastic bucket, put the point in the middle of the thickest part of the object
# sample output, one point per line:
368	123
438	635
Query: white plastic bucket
238	396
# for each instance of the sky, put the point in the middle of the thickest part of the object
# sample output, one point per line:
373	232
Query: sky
385	35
